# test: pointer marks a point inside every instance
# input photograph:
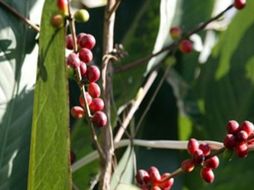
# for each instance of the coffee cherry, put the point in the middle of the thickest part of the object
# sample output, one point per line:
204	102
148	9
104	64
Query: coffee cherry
85	55
79	36
241	150
175	32
63	6
154	174
212	162
205	148
83	69
69	42
192	146
142	177
82	100
188	165
156	188
81	15
207	175
57	21
232	127
241	136
229	141
94	90
198	156
97	104
99	119
185	46
73	60
93	73
87	41
239	4
248	127
77	112
166	184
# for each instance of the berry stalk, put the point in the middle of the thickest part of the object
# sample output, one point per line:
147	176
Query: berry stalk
82	88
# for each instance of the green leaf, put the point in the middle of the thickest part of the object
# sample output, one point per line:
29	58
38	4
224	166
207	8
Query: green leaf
124	172
167	14
49	163
18	57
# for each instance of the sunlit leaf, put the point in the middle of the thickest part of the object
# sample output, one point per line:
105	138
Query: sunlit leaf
49	166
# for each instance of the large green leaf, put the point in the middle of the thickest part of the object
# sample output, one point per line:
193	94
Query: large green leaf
225	91
18	57
49	155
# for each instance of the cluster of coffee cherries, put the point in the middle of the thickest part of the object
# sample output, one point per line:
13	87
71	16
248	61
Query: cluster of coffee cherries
90	75
185	45
201	156
152	180
239	137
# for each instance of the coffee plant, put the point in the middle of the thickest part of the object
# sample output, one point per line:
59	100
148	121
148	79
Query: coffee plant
154	95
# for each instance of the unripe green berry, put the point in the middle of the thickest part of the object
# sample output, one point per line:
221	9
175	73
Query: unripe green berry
81	15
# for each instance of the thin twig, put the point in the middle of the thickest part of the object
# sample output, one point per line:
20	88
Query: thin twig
107	71
170	47
82	88
135	105
114	8
158	144
152	99
21	17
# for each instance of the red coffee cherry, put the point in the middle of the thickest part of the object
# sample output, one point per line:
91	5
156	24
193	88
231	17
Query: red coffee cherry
188	165
83	69
166	184
69	42
85	55
205	148
63	6
73	60
77	112
241	150
185	46
93	73
82	100
207	175
198	156
97	104
229	141
142	177
248	127
212	162
192	146
241	136
155	188
175	32
94	90
99	119
87	41
79	36
239	4
232	127
154	174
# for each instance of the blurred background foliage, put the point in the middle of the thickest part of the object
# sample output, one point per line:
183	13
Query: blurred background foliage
202	91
